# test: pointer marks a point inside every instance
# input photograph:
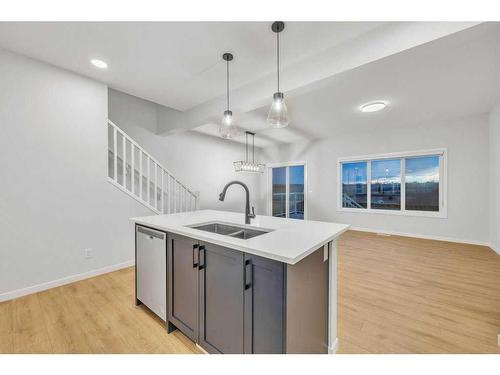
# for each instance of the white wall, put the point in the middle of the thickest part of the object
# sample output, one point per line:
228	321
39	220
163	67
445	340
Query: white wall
54	133
494	136
468	159
202	162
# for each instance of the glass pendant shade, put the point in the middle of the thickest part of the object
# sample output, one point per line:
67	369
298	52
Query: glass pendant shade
278	114
227	130
227	118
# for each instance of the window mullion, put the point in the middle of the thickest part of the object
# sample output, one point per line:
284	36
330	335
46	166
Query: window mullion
369	185
287	191
403	185
440	186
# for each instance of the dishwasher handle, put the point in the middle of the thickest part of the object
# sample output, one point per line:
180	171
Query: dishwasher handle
151	233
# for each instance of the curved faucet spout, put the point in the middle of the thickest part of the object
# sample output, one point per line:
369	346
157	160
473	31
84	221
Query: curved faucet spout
248	215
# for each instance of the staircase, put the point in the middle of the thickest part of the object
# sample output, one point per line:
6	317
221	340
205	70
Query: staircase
138	174
347	201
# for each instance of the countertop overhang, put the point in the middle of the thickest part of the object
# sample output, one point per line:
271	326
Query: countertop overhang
289	241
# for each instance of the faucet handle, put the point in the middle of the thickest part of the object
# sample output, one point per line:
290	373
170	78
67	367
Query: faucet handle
253	213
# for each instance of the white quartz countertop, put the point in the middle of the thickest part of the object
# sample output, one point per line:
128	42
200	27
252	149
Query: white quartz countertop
289	241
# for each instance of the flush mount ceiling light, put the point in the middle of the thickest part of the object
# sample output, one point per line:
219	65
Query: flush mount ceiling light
373	106
227	129
99	63
249	166
278	114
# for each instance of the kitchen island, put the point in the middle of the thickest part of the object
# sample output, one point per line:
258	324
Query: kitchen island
266	287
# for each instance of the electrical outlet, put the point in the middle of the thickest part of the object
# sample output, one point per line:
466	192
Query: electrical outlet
498	339
88	253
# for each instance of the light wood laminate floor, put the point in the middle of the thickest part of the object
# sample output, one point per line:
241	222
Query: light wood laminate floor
396	295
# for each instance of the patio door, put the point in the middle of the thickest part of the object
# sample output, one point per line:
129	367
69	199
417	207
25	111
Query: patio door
287	187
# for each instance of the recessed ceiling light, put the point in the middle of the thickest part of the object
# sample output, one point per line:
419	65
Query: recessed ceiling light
99	63
373	106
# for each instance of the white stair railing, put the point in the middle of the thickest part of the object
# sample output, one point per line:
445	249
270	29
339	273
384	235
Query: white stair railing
137	173
347	201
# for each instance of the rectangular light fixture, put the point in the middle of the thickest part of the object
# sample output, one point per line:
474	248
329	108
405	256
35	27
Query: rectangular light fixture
244	166
249	166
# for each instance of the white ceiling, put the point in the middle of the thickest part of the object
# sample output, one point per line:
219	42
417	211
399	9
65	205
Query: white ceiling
176	64
450	77
425	69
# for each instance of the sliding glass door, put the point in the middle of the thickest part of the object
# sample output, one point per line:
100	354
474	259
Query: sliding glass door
288	192
279	192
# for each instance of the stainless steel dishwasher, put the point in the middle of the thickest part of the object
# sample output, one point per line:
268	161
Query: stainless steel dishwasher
151	269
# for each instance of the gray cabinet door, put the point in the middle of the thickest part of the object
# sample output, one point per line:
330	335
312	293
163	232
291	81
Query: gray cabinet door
264	305
221	299
151	265
183	284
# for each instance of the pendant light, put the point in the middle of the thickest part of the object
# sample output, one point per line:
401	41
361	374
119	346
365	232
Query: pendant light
278	114
249	166
227	129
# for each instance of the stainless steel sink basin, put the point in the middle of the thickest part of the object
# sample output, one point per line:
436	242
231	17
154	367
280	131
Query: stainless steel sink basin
230	230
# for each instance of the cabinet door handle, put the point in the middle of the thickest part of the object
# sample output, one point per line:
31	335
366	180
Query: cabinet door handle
201	256
196	255
248	274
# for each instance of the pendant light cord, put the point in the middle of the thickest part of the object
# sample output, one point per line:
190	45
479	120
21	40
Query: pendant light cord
253	148
278	59
227	84
246	144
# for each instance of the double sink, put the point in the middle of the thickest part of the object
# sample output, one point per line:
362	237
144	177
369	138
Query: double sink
234	231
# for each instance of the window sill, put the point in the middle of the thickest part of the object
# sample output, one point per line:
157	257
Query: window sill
437	215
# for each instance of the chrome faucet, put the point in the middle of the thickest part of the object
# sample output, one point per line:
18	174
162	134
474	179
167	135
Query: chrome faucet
248	215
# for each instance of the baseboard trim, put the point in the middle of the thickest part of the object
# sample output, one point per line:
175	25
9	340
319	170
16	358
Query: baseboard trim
496	249
332	349
65	280
423	236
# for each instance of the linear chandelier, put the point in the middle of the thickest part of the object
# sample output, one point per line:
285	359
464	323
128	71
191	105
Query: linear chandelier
246	165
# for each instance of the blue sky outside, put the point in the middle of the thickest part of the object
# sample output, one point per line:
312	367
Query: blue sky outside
279	176
296	175
422	169
386	171
418	169
354	173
